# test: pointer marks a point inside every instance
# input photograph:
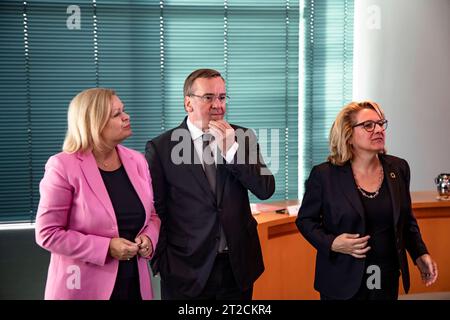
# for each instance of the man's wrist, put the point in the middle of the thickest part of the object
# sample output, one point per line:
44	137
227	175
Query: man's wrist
229	156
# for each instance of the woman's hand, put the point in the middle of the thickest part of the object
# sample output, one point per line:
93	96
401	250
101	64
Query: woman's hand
428	269
122	249
145	246
351	244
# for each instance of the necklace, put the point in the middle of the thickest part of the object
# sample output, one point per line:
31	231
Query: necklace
107	164
374	194
103	164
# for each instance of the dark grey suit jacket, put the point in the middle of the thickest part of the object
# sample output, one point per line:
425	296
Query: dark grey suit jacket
190	214
331	206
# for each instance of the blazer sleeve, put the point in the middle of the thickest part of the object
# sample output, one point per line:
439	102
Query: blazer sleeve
413	239
52	228
309	219
249	168
152	227
159	186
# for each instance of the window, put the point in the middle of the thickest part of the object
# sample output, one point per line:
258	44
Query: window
144	50
328	68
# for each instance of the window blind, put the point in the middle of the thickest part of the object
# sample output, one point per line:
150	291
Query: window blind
144	50
46	64
328	61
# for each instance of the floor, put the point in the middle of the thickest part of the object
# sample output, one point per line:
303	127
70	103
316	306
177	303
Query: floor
426	296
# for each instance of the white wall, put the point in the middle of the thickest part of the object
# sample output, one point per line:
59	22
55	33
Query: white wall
402	61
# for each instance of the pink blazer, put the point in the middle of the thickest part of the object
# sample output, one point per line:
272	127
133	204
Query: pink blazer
75	221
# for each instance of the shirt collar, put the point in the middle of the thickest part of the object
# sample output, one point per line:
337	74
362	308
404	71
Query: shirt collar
195	131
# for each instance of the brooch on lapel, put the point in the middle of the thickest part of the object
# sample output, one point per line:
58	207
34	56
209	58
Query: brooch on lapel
392	175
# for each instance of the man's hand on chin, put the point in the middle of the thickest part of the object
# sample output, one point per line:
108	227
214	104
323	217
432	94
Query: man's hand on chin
223	133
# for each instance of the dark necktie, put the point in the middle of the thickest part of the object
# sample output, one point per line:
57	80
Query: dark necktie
208	162
210	172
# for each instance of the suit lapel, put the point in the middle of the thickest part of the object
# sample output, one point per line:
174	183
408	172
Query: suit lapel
195	166
391	176
94	179
349	188
197	171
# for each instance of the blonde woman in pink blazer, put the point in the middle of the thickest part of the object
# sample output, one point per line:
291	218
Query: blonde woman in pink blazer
96	213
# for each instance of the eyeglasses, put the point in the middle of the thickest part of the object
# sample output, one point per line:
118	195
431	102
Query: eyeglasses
370	125
210	98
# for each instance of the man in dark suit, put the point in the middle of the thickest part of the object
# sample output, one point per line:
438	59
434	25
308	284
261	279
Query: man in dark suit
201	173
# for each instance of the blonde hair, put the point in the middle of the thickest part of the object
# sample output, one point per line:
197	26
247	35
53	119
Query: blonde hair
341	131
88	114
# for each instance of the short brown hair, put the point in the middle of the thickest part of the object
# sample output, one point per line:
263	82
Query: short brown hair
342	129
200	73
88	114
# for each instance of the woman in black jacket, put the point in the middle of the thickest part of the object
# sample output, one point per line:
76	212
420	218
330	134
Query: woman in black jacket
357	213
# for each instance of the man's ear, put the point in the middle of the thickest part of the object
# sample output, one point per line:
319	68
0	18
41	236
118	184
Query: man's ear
187	104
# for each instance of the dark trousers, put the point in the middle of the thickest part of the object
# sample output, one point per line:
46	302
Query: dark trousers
126	289
221	285
127	286
388	291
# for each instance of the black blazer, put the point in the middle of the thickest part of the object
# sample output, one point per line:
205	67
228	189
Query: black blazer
190	214
331	206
